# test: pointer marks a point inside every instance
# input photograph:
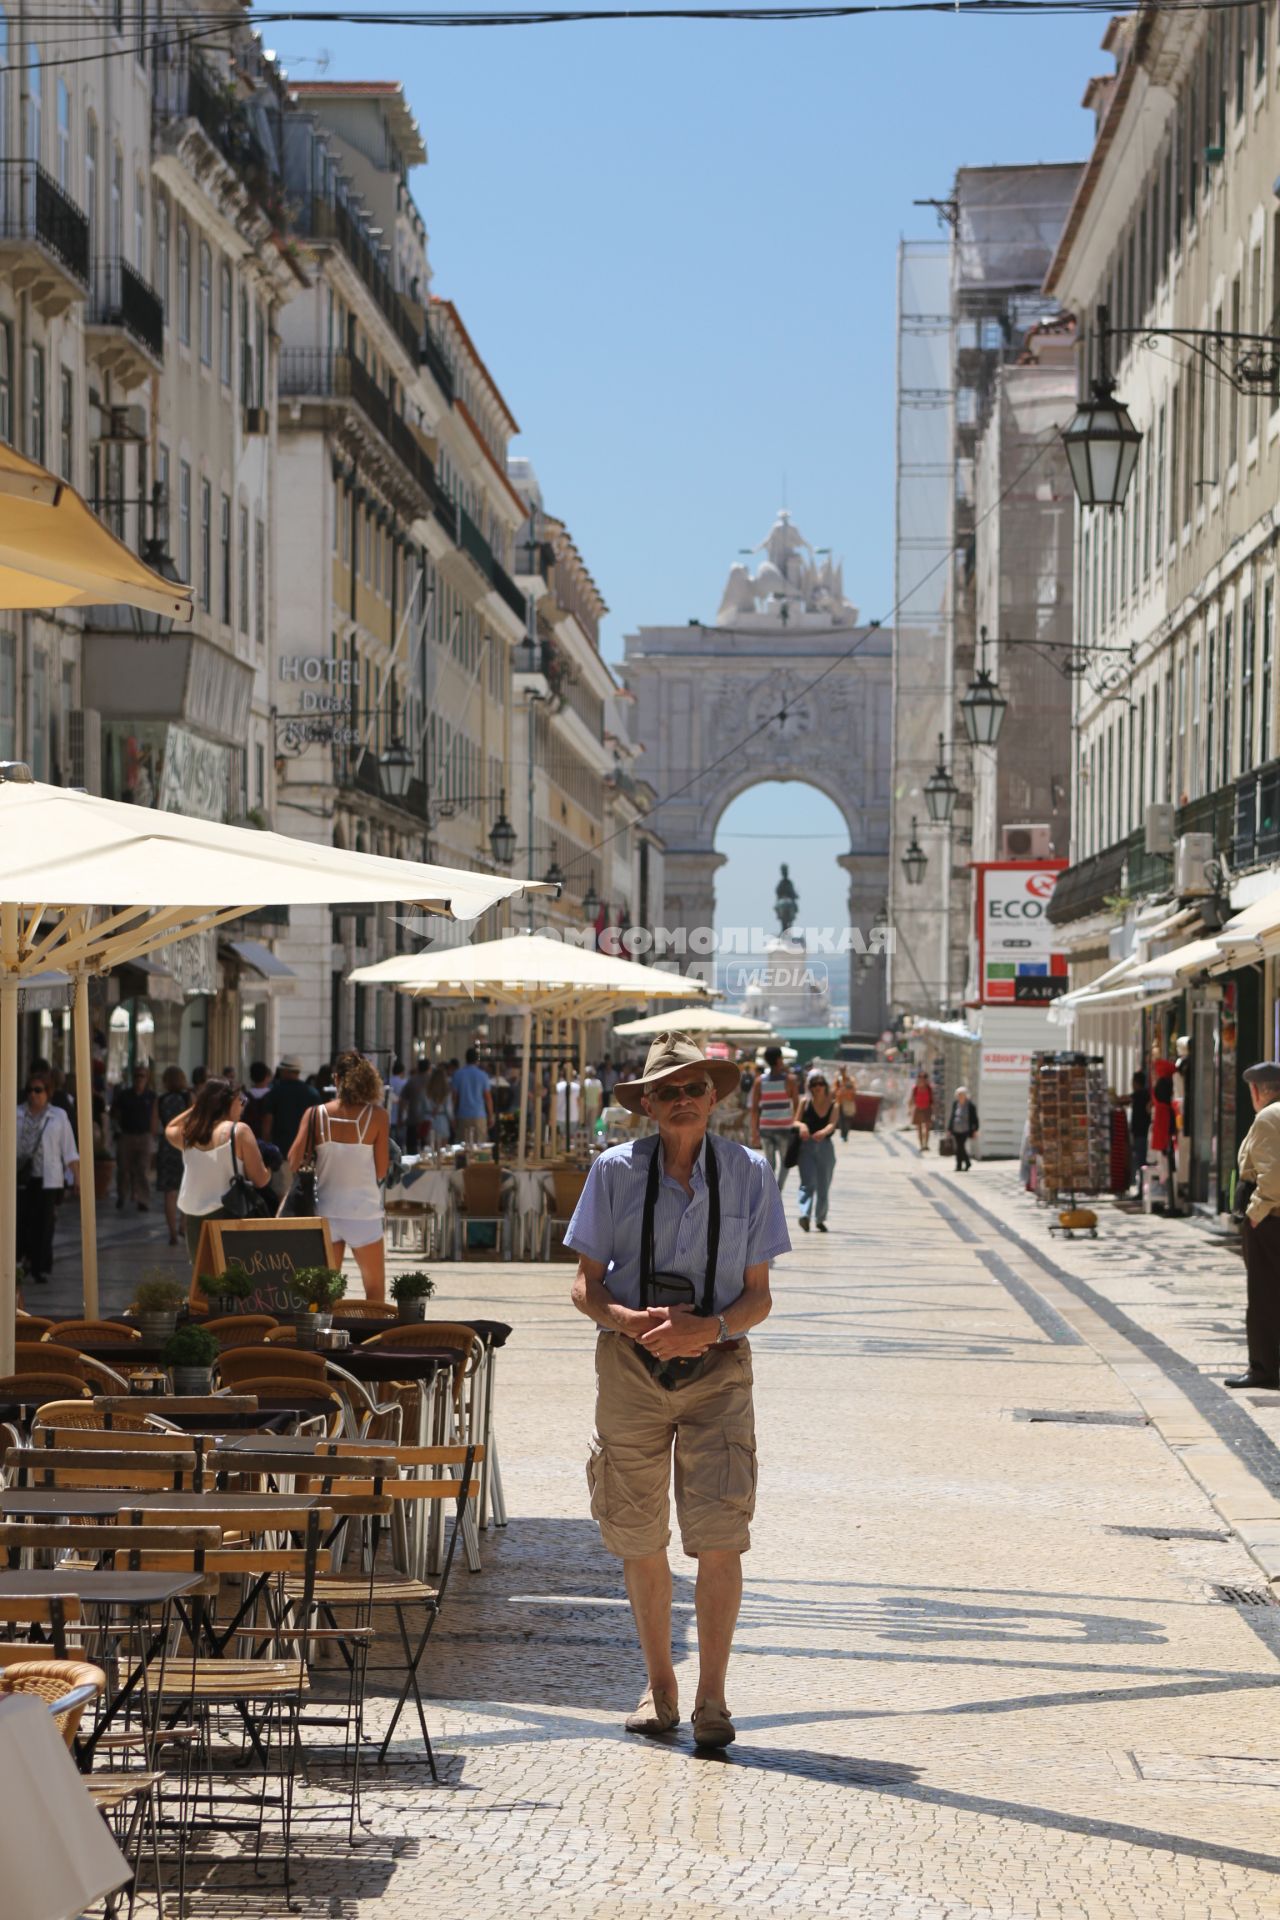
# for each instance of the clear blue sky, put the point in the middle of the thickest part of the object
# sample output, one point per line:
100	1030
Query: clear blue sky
675	244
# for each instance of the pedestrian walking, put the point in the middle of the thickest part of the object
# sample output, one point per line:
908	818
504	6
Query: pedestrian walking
1258	1163
472	1101
288	1100
1139	1126
135	1122
175	1098
436	1126
817	1117
922	1109
349	1137
592	1099
962	1125
215	1144
256	1095
773	1105
682	1226
845	1094
47	1158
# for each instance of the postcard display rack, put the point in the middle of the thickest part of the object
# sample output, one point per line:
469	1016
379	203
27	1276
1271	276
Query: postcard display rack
1070	1126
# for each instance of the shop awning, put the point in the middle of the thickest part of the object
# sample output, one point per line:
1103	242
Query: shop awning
260	960
1253	934
1140	983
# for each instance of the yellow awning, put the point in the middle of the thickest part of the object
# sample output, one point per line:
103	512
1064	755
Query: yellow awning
55	552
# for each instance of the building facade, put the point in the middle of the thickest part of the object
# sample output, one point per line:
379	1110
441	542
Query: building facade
1175	228
968	308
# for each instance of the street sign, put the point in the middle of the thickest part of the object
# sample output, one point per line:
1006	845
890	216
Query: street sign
1017	962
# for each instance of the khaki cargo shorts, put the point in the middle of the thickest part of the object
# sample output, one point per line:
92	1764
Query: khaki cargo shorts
711	1424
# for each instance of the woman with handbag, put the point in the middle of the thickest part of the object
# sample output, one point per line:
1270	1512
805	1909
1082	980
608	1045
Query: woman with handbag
348	1140
817	1116
962	1125
222	1169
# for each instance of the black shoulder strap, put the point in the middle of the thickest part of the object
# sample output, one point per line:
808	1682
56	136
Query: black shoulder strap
713	1226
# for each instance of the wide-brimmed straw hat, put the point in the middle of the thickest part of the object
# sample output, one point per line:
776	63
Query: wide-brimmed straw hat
671	1054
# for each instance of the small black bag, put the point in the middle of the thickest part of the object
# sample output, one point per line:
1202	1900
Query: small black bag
242	1200
673	1289
300	1201
791	1158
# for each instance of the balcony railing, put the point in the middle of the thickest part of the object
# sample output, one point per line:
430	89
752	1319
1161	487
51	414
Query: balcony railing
34	207
1257	815
431	356
533	656
1126	866
315	373
122	298
322	219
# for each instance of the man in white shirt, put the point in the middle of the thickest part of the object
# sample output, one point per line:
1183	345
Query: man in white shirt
570	1088
47	1158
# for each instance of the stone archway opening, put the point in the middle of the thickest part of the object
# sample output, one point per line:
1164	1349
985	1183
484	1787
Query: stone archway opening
772	825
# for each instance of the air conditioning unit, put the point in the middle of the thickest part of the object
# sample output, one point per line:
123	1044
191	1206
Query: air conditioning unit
1193	863
84	749
1026	843
257	420
1159	827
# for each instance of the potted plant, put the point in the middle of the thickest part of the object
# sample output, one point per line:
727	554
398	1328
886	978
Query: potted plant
319	1287
227	1291
189	1355
156	1301
411	1291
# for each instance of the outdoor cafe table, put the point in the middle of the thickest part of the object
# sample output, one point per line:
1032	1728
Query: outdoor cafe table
136	1593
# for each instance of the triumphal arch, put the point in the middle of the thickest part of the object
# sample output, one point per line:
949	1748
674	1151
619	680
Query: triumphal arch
784	684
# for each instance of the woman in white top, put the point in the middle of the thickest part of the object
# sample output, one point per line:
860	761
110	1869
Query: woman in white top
214	1143
349	1137
47	1160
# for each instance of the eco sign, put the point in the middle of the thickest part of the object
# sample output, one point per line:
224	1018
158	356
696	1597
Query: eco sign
1017	963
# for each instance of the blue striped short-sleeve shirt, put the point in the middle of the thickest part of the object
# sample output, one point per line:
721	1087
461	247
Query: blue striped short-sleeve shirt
606	1222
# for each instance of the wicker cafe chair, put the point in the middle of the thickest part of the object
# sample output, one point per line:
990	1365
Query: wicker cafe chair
76	1423
32	1390
32	1326
94	1333
68	1687
366	1310
462	1340
295	1393
568	1183
45	1357
252	1363
481	1205
52	1681
240	1329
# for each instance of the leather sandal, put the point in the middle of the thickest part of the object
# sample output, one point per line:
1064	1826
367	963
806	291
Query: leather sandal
657	1713
712	1726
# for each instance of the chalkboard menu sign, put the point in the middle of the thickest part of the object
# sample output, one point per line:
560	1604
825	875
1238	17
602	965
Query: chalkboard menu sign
272	1251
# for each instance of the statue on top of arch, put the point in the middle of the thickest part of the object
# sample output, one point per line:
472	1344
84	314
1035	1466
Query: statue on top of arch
791	587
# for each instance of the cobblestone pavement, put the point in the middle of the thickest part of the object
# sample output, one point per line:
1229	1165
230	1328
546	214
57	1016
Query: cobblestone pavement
982	1669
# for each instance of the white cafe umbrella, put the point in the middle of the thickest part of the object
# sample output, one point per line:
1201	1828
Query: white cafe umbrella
710	1022
86	884
529	973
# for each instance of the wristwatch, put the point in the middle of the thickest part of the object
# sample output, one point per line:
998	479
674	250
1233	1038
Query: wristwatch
724	1333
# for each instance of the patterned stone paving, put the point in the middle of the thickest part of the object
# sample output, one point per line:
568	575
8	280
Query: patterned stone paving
980	1669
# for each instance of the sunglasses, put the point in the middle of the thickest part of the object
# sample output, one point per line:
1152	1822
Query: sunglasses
680	1090
39	1087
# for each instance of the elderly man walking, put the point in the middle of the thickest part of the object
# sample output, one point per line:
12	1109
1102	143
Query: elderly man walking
1259	1164
674	1234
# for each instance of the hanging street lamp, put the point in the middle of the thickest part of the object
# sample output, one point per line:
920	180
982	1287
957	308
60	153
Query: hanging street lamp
590	905
940	791
396	768
1102	442
915	859
502	836
983	707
